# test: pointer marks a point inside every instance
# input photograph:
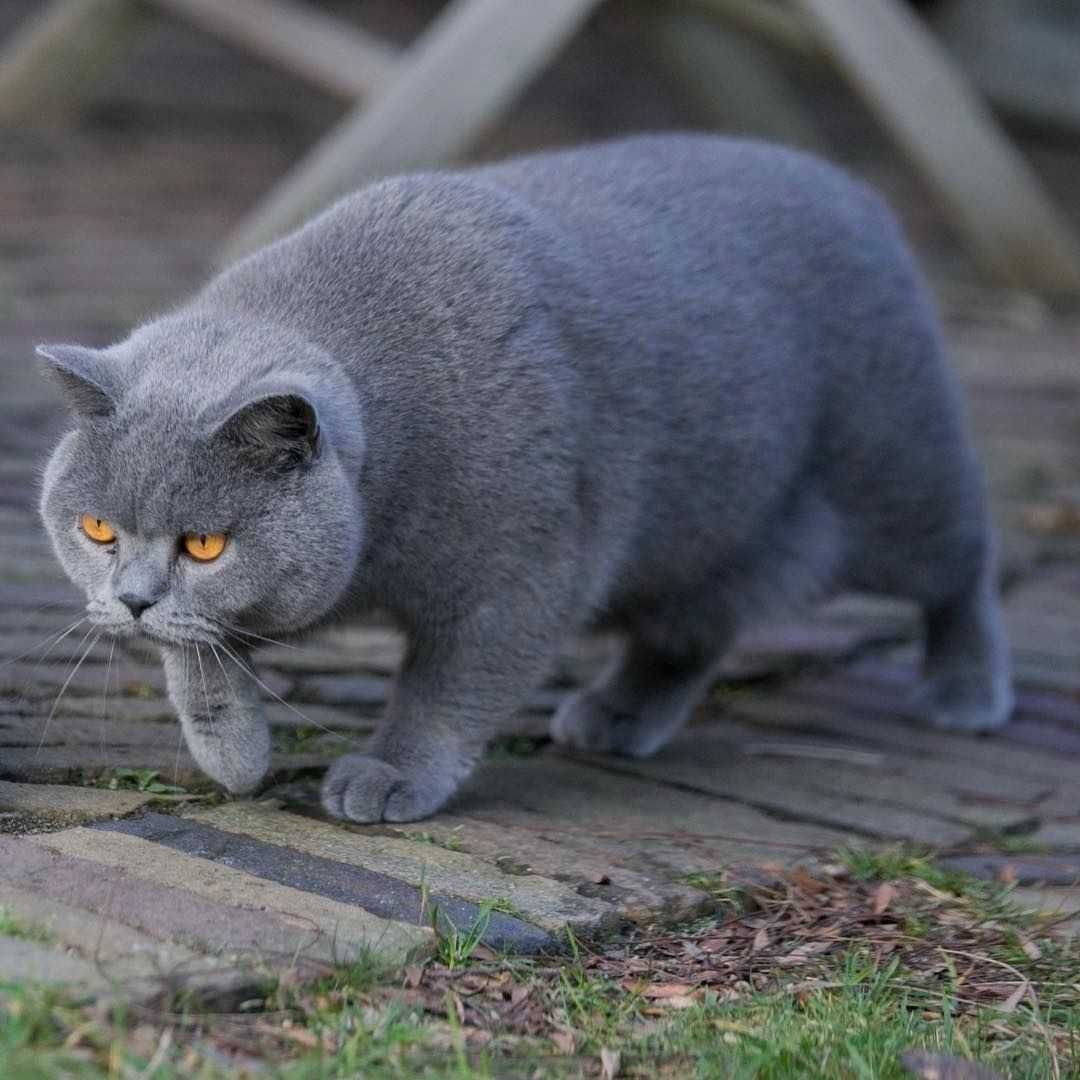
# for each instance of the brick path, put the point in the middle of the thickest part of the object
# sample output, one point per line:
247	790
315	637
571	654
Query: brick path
800	749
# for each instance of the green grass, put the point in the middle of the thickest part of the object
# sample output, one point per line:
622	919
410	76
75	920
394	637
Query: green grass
985	900
858	1021
35	1023
723	892
12	926
453	946
848	1014
451	842
146	780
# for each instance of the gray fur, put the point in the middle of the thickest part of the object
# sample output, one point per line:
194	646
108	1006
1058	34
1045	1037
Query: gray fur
662	387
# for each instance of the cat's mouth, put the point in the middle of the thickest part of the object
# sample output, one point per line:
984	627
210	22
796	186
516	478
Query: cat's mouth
159	635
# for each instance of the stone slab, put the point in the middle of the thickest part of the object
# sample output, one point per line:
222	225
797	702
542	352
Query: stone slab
826	793
379	649
649	890
972	783
844	706
651	829
202	904
124	959
590	871
559	788
1025	869
43	681
30	961
544	902
64	803
1060	834
1054	902
357	690
59	597
349	881
76	764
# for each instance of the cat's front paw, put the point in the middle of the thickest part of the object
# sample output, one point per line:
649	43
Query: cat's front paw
362	788
233	748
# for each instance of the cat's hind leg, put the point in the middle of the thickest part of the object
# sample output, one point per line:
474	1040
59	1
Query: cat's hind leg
967	683
664	667
949	571
640	703
675	647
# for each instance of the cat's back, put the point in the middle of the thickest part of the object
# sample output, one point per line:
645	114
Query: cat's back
690	202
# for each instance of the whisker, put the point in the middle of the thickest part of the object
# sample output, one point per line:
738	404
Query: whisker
180	727
67	683
219	664
277	697
105	693
206	694
55	639
230	629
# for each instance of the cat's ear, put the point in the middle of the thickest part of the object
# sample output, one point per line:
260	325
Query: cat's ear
82	376
280	430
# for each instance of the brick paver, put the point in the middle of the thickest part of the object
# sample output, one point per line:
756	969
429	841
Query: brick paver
801	748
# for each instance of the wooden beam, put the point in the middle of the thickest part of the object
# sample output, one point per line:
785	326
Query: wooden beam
994	196
729	75
323	50
51	62
775	22
458	77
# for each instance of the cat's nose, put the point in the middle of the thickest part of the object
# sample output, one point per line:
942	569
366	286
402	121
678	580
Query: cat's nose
136	603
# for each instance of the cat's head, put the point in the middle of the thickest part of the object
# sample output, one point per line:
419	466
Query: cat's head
209	486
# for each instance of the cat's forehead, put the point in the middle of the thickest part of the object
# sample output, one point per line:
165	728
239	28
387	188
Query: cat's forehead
154	474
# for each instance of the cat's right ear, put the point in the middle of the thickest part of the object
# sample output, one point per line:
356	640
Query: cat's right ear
82	377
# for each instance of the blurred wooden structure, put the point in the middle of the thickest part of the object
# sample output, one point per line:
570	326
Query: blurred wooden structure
426	105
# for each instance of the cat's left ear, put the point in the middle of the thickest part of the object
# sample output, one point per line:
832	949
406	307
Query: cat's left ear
279	430
82	376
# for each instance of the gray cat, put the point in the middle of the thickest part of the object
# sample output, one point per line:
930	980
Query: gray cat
659	387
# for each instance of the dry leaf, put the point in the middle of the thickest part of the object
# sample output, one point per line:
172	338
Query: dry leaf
476	1036
761	940
1031	950
667	990
1014	999
930	1066
414	975
883	896
806	881
609	1063
564	1041
1061	519
299	1035
803	953
716	943
680	1001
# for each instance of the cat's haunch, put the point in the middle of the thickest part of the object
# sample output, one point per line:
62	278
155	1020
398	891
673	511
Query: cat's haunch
663	387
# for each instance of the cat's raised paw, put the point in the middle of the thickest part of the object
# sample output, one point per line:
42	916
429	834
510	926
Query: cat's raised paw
586	722
964	702
362	788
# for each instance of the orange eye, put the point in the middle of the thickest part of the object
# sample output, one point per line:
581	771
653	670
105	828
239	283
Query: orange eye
96	529
205	547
